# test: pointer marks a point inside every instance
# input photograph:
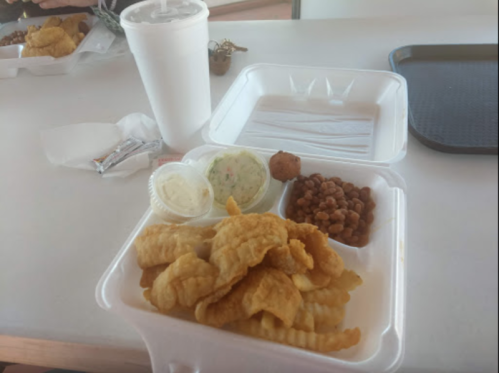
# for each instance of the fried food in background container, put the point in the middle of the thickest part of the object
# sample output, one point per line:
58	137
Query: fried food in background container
48	42
56	38
263	276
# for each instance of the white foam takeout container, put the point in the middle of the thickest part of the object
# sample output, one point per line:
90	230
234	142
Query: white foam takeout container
98	40
177	344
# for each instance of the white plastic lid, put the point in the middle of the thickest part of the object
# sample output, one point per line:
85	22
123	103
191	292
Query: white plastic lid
179	193
151	12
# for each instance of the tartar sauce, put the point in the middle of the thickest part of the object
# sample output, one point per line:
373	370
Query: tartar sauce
240	175
187	197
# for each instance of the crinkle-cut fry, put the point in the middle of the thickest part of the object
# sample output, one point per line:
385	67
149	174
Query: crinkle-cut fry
291	258
325	315
163	244
329	296
242	241
151	274
232	207
309	340
304	320
311	280
183	283
348	281
268	320
263	289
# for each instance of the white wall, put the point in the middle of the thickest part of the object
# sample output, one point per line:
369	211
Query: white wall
320	9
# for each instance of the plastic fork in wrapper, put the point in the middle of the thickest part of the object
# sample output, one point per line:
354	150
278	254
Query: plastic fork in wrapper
128	148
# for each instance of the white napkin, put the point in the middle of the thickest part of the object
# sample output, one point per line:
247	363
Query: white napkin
76	145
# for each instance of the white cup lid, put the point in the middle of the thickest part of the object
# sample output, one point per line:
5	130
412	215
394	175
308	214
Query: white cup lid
150	12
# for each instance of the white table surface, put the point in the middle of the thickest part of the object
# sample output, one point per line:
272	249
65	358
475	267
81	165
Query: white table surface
60	228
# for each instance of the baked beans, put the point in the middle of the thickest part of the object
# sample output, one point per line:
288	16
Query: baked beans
339	209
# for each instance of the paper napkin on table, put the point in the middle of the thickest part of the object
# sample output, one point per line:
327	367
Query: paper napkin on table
77	145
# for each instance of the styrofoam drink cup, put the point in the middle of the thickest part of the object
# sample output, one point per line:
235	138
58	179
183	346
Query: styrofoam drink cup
171	52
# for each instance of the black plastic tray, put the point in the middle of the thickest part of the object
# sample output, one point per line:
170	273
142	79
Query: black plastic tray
453	92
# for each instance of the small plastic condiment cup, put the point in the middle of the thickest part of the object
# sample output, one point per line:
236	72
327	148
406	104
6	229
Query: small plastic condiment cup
263	189
166	210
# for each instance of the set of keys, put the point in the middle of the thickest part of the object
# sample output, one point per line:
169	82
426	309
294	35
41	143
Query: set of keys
221	55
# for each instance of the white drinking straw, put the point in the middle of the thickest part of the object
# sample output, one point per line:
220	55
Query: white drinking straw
163	6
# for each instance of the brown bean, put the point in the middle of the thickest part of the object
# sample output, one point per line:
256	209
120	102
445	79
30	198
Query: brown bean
309	183
358	202
363	240
343	204
364	197
328	192
353	240
348	187
347	233
370	218
353	217
336	180
362	223
339	239
336	228
339	193
301	202
353	226
353	194
322	216
330	201
339	216
309	220
370	206
358	209
309	196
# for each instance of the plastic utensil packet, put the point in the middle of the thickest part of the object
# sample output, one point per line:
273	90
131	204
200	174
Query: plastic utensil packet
149	147
118	155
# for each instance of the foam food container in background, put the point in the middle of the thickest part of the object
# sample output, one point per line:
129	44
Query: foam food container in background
98	40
